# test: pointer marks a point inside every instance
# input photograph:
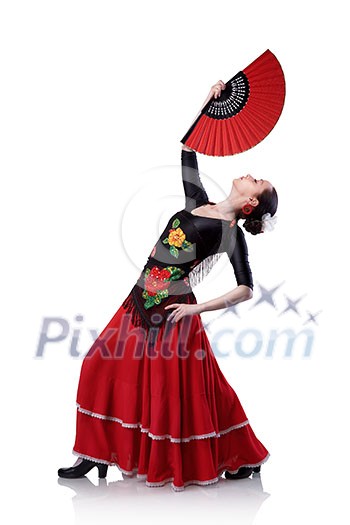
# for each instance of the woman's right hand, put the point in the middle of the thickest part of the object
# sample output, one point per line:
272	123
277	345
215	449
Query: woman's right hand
215	90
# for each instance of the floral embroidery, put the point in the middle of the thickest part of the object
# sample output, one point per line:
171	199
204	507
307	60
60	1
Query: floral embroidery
177	239
157	282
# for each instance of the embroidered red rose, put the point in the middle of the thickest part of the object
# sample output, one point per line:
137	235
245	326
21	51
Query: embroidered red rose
157	280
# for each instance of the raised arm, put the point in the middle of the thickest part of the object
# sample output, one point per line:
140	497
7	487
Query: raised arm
194	190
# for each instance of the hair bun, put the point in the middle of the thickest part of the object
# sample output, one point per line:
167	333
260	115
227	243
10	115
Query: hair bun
253	226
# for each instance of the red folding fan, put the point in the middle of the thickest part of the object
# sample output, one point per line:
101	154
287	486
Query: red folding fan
244	114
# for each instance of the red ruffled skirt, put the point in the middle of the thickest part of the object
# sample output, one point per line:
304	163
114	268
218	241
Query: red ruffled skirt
161	411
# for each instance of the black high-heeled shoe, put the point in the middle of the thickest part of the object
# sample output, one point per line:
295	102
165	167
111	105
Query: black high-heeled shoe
83	468
243	472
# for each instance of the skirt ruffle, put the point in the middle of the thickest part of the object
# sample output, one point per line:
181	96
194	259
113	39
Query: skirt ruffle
162	412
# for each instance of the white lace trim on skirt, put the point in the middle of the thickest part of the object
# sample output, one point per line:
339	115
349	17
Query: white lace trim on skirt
143	477
252	465
165	436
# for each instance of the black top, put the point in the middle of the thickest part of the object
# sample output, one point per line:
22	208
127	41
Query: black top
186	241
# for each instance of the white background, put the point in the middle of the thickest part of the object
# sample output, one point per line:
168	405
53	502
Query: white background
95	97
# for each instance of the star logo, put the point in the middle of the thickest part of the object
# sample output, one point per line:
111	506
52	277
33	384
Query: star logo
292	305
312	317
267	295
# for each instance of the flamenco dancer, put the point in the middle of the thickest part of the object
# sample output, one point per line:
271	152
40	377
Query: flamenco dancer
151	398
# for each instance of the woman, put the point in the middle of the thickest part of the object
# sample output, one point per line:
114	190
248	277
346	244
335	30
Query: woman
151	398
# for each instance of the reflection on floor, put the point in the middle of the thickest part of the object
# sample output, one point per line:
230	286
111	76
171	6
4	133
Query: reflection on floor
128	498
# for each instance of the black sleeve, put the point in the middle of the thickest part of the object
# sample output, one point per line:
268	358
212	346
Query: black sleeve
194	190
237	251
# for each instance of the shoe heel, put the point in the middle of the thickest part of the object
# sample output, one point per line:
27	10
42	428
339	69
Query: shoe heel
102	470
256	469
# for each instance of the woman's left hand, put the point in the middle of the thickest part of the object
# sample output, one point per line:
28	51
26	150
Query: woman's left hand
180	310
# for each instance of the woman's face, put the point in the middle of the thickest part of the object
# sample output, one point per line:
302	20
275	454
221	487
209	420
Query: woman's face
248	186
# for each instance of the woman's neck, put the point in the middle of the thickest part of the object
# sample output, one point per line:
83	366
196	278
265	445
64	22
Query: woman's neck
226	209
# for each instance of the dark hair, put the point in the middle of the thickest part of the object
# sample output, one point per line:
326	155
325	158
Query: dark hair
268	202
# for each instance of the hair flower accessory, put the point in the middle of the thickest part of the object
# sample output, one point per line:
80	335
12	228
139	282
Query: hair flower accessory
268	222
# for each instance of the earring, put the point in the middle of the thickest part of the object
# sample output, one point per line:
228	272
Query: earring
247	209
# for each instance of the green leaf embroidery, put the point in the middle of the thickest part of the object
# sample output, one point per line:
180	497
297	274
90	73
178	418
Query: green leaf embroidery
174	251
163	293
166	240
176	222
175	273
149	302
187	246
